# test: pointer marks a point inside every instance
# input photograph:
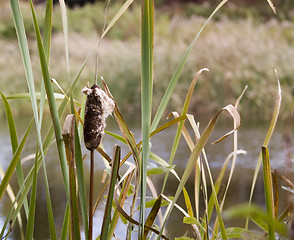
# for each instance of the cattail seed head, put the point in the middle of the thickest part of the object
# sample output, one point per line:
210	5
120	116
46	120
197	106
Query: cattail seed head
98	107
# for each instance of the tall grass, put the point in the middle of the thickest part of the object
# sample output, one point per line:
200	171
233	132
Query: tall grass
136	180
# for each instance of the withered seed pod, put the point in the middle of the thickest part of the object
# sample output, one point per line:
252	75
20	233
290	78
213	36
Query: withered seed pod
98	107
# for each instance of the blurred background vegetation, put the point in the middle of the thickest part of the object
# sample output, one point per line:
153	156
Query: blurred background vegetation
241	46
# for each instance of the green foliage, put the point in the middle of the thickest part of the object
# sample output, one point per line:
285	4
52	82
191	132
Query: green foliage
159	170
184	238
190	220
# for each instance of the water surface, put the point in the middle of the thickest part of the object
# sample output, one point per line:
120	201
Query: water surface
250	139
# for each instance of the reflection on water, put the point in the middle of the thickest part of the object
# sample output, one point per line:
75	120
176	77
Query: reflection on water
250	139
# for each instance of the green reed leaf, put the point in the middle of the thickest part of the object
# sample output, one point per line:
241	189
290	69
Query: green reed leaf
119	13
268	189
65	31
123	195
110	196
68	136
173	82
47	43
181	124
81	182
160	170
32	209
23	44
146	96
52	104
13	163
24	48
116	136
267	138
66	223
14	144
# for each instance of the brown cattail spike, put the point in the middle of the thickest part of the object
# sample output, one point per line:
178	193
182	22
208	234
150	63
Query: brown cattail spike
98	107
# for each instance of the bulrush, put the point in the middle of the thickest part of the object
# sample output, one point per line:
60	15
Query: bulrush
98	107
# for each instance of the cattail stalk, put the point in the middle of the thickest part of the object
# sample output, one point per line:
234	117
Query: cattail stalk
98	107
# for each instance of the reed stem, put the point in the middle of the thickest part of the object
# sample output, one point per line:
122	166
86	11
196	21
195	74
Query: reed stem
91	196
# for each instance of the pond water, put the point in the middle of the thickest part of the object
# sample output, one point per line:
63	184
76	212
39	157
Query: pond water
250	139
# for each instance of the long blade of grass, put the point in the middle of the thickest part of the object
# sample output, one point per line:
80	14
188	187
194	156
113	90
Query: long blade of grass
235	151
65	31
44	57
121	201
215	187
119	13
13	163
23	44
49	207
68	136
116	136
14	145
177	73
191	146
267	138
196	153
19	25
268	189
181	124
48	28
52	104
107	212
47	43
234	154
200	174
81	182
32	209
66	223
146	97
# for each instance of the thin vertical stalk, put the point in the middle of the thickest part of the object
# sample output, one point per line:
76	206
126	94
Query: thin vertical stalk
91	196
68	133
146	97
